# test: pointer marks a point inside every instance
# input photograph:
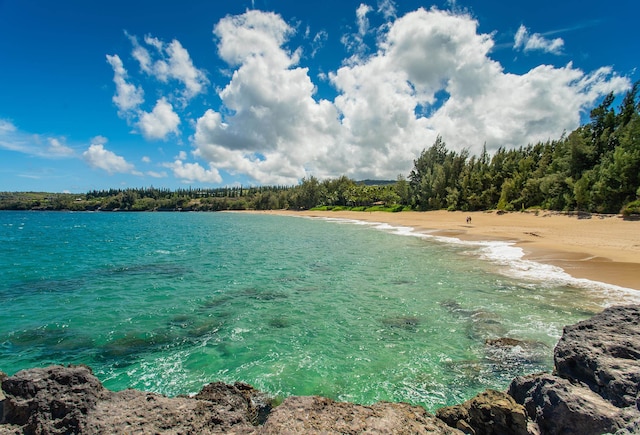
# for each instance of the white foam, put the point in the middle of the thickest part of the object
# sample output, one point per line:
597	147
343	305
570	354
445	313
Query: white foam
510	261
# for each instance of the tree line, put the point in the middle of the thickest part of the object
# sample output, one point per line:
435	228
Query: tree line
595	168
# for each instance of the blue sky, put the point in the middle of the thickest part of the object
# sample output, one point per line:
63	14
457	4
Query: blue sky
201	93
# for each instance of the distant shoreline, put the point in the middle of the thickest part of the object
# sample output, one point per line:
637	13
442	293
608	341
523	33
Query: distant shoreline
599	248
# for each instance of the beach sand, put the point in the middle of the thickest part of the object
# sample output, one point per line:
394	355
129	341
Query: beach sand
599	248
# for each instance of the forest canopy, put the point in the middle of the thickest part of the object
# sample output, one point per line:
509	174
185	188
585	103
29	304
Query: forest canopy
595	168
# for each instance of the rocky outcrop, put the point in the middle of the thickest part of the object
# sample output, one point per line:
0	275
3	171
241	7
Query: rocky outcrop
594	390
559	406
319	415
63	400
595	385
603	353
52	400
491	413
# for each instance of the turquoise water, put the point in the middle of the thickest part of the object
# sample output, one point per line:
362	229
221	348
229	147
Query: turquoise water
168	302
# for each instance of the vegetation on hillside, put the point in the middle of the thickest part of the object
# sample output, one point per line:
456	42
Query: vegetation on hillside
595	168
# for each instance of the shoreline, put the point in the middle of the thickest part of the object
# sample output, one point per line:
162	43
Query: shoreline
599	248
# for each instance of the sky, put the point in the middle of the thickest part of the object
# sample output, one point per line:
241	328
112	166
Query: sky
204	93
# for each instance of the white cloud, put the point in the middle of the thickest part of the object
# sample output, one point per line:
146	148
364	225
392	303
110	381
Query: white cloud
387	8
390	105
362	20
13	139
99	157
160	122
254	33
530	42
57	148
6	127
155	174
277	127
174	62
128	97
318	42
354	42
193	172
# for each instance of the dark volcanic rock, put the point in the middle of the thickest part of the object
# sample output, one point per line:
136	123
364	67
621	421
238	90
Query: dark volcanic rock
319	415
132	411
603	353
595	386
490	412
64	400
51	400
240	401
560	407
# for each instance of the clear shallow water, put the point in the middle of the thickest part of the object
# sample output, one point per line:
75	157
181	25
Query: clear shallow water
170	302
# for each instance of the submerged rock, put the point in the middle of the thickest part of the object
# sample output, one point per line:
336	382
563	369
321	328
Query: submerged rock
408	323
594	390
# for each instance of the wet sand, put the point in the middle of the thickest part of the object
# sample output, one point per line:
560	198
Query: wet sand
599	248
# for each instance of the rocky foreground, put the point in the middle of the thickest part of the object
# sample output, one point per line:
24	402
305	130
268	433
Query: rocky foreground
594	390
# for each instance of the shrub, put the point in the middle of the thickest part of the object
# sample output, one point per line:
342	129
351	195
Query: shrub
631	209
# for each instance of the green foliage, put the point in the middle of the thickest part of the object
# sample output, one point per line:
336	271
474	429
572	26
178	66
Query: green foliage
595	168
631	209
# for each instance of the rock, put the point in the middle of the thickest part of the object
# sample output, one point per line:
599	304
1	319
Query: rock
594	390
3	376
504	342
319	415
595	386
132	411
603	353
51	400
490	412
61	400
560	407
242	399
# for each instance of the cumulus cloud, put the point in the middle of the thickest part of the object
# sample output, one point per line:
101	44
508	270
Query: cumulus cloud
431	73
128	97
97	156
194	172
169	61
254	33
272	105
160	122
530	42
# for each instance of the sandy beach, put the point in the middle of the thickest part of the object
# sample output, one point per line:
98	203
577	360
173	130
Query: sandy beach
599	248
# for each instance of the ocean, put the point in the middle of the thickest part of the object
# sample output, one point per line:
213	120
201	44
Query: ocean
354	311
